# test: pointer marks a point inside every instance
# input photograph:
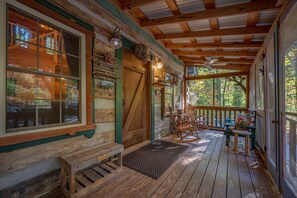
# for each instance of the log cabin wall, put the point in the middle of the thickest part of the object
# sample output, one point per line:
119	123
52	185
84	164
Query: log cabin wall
35	170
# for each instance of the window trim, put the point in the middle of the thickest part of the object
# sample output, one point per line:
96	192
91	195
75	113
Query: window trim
86	84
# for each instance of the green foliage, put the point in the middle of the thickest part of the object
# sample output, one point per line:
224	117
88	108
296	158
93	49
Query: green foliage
291	79
196	71
200	92
229	92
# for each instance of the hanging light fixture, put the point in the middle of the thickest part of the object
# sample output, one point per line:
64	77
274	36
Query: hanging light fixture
116	41
159	64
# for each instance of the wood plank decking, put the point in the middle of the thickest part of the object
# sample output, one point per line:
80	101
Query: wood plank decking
207	169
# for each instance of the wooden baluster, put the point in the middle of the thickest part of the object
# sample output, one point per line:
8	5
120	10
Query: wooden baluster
230	114
207	112
221	123
203	112
211	118
216	120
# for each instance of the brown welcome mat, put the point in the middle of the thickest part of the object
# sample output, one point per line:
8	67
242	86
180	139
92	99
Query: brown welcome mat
155	158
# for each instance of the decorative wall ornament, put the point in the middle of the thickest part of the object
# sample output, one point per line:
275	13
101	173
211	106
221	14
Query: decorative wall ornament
109	58
104	67
142	52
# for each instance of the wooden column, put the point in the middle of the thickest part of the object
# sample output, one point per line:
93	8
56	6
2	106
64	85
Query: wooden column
185	89
247	91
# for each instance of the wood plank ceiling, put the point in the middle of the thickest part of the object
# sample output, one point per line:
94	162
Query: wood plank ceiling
230	30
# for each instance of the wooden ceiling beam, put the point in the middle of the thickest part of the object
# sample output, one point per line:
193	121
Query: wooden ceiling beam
222	45
175	11
215	53
213	13
136	3
221	60
214	24
221	75
216	66
219	32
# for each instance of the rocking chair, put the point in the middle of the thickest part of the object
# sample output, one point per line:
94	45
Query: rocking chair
183	128
199	121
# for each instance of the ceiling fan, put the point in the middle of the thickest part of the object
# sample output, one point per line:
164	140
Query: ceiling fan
209	62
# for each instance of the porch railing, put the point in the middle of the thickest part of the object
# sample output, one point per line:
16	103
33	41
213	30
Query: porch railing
216	116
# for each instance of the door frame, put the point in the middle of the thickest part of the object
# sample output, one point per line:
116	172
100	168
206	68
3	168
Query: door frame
119	95
286	188
274	171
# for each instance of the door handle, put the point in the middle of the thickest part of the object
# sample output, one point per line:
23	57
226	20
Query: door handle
274	122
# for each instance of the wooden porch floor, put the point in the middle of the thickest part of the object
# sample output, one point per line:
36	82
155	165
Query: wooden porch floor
207	169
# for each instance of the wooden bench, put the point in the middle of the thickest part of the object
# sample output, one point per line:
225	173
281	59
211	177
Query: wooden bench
84	171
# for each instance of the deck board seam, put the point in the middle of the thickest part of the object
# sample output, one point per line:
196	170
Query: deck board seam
188	164
224	138
217	142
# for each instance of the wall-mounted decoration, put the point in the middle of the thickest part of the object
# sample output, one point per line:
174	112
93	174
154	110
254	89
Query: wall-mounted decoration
142	52
104	67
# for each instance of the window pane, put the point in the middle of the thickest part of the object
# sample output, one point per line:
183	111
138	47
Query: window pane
21	26
17	55
200	92
20	100
49	36
42	98
230	92
289	46
259	84
291	78
48	100
177	95
70	65
168	102
71	100
70	44
49	61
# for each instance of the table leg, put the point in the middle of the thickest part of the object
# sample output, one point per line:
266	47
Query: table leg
227	139
235	142
246	145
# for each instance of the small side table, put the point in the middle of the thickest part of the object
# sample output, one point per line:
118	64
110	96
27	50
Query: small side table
247	135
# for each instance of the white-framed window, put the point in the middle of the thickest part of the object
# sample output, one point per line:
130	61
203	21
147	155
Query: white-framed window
42	72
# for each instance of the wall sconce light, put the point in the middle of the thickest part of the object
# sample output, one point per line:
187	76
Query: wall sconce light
116	41
159	64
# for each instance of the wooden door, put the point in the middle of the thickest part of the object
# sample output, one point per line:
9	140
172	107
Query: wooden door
135	100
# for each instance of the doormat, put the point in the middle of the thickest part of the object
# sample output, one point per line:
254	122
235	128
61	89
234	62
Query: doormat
155	158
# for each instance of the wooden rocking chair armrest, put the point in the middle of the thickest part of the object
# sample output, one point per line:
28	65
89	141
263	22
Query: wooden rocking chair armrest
185	122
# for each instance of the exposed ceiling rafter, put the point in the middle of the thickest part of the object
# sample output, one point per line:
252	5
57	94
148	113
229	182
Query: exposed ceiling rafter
219	32
215	53
221	75
222	45
228	66
220	60
216	12
136	3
